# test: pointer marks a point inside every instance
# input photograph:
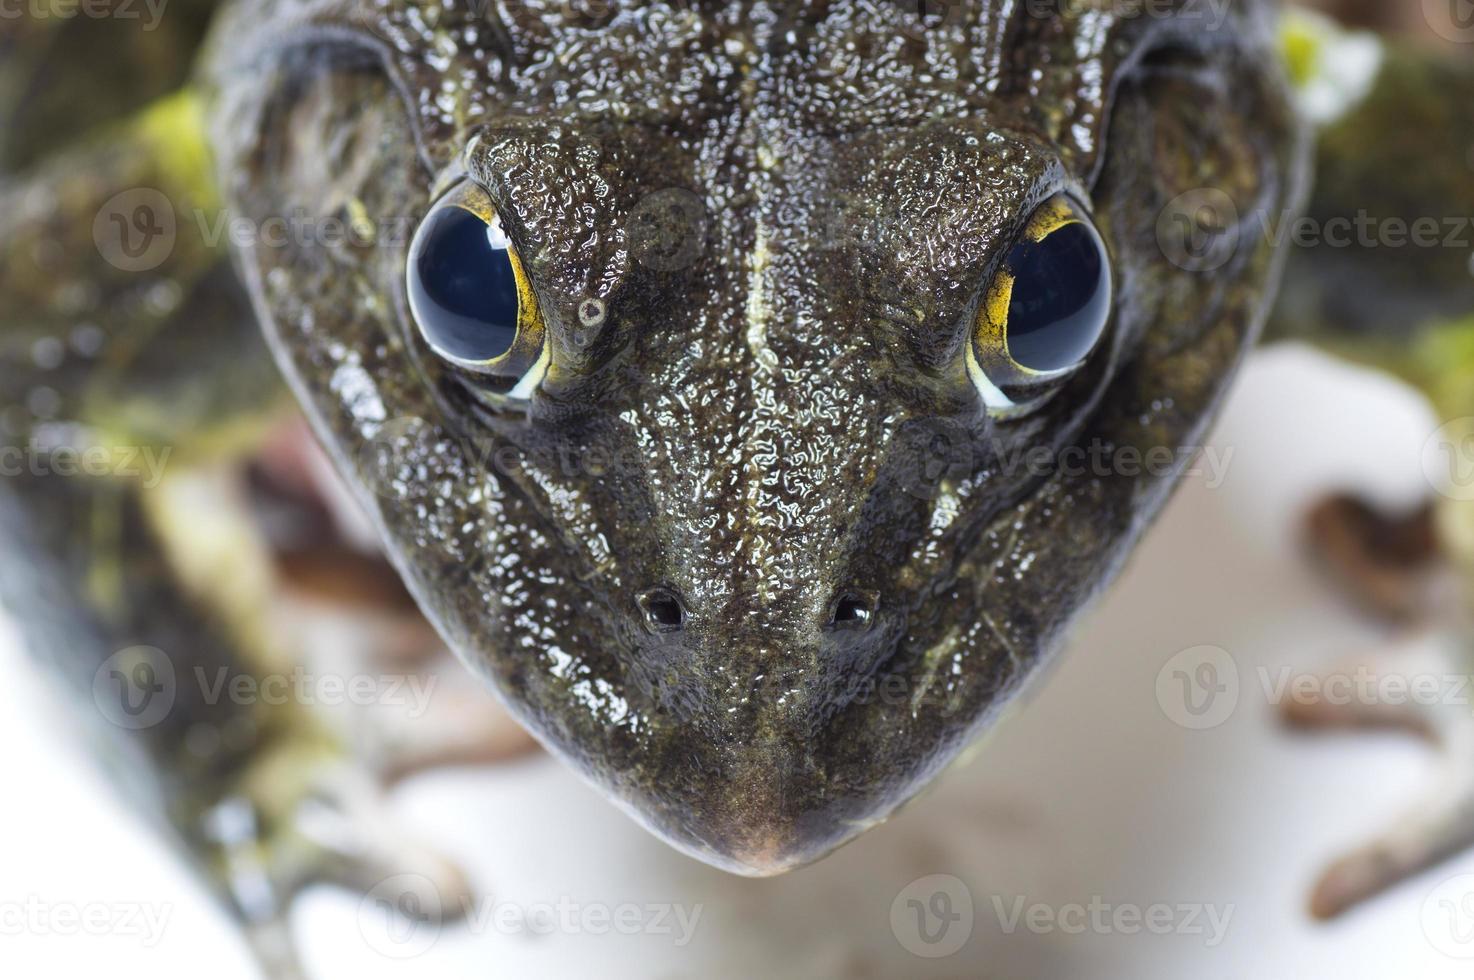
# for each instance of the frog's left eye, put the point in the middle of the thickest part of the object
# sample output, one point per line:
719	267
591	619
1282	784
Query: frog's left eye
470	296
1044	312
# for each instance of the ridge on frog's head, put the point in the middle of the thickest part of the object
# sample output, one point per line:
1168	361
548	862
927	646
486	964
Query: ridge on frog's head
731	382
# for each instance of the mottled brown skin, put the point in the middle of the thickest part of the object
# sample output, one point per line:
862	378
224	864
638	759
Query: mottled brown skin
780	416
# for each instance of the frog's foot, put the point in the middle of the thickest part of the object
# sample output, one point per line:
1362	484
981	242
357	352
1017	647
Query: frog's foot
1422	686
1382	561
333	827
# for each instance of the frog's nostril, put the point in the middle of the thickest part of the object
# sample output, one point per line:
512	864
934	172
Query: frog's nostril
852	611
663	609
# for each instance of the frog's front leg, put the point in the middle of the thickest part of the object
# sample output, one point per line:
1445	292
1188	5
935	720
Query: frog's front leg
1407	309
133	383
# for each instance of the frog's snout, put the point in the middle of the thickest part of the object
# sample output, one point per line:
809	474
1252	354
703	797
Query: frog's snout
755	756
771	812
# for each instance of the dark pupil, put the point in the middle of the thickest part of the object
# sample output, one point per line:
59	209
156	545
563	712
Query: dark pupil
462	290
1061	299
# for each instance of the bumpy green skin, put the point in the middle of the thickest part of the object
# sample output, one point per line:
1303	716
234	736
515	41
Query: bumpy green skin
782	416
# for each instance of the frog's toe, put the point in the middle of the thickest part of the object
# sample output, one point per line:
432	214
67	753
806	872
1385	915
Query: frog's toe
354	841
1423	686
1400	688
1380	560
343	599
1440	827
337	831
469	729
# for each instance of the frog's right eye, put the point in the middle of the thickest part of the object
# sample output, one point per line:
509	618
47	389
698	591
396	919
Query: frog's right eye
469	293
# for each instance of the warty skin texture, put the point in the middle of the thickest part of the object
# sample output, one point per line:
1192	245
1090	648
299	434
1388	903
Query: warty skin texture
772	409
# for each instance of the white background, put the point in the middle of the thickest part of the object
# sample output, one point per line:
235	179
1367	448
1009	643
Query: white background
1090	790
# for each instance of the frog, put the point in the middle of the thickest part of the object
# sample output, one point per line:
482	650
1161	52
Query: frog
704	375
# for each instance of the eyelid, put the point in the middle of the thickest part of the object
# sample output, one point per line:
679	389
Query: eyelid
1054	214
470	196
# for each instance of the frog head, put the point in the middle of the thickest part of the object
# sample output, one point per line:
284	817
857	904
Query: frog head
752	398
